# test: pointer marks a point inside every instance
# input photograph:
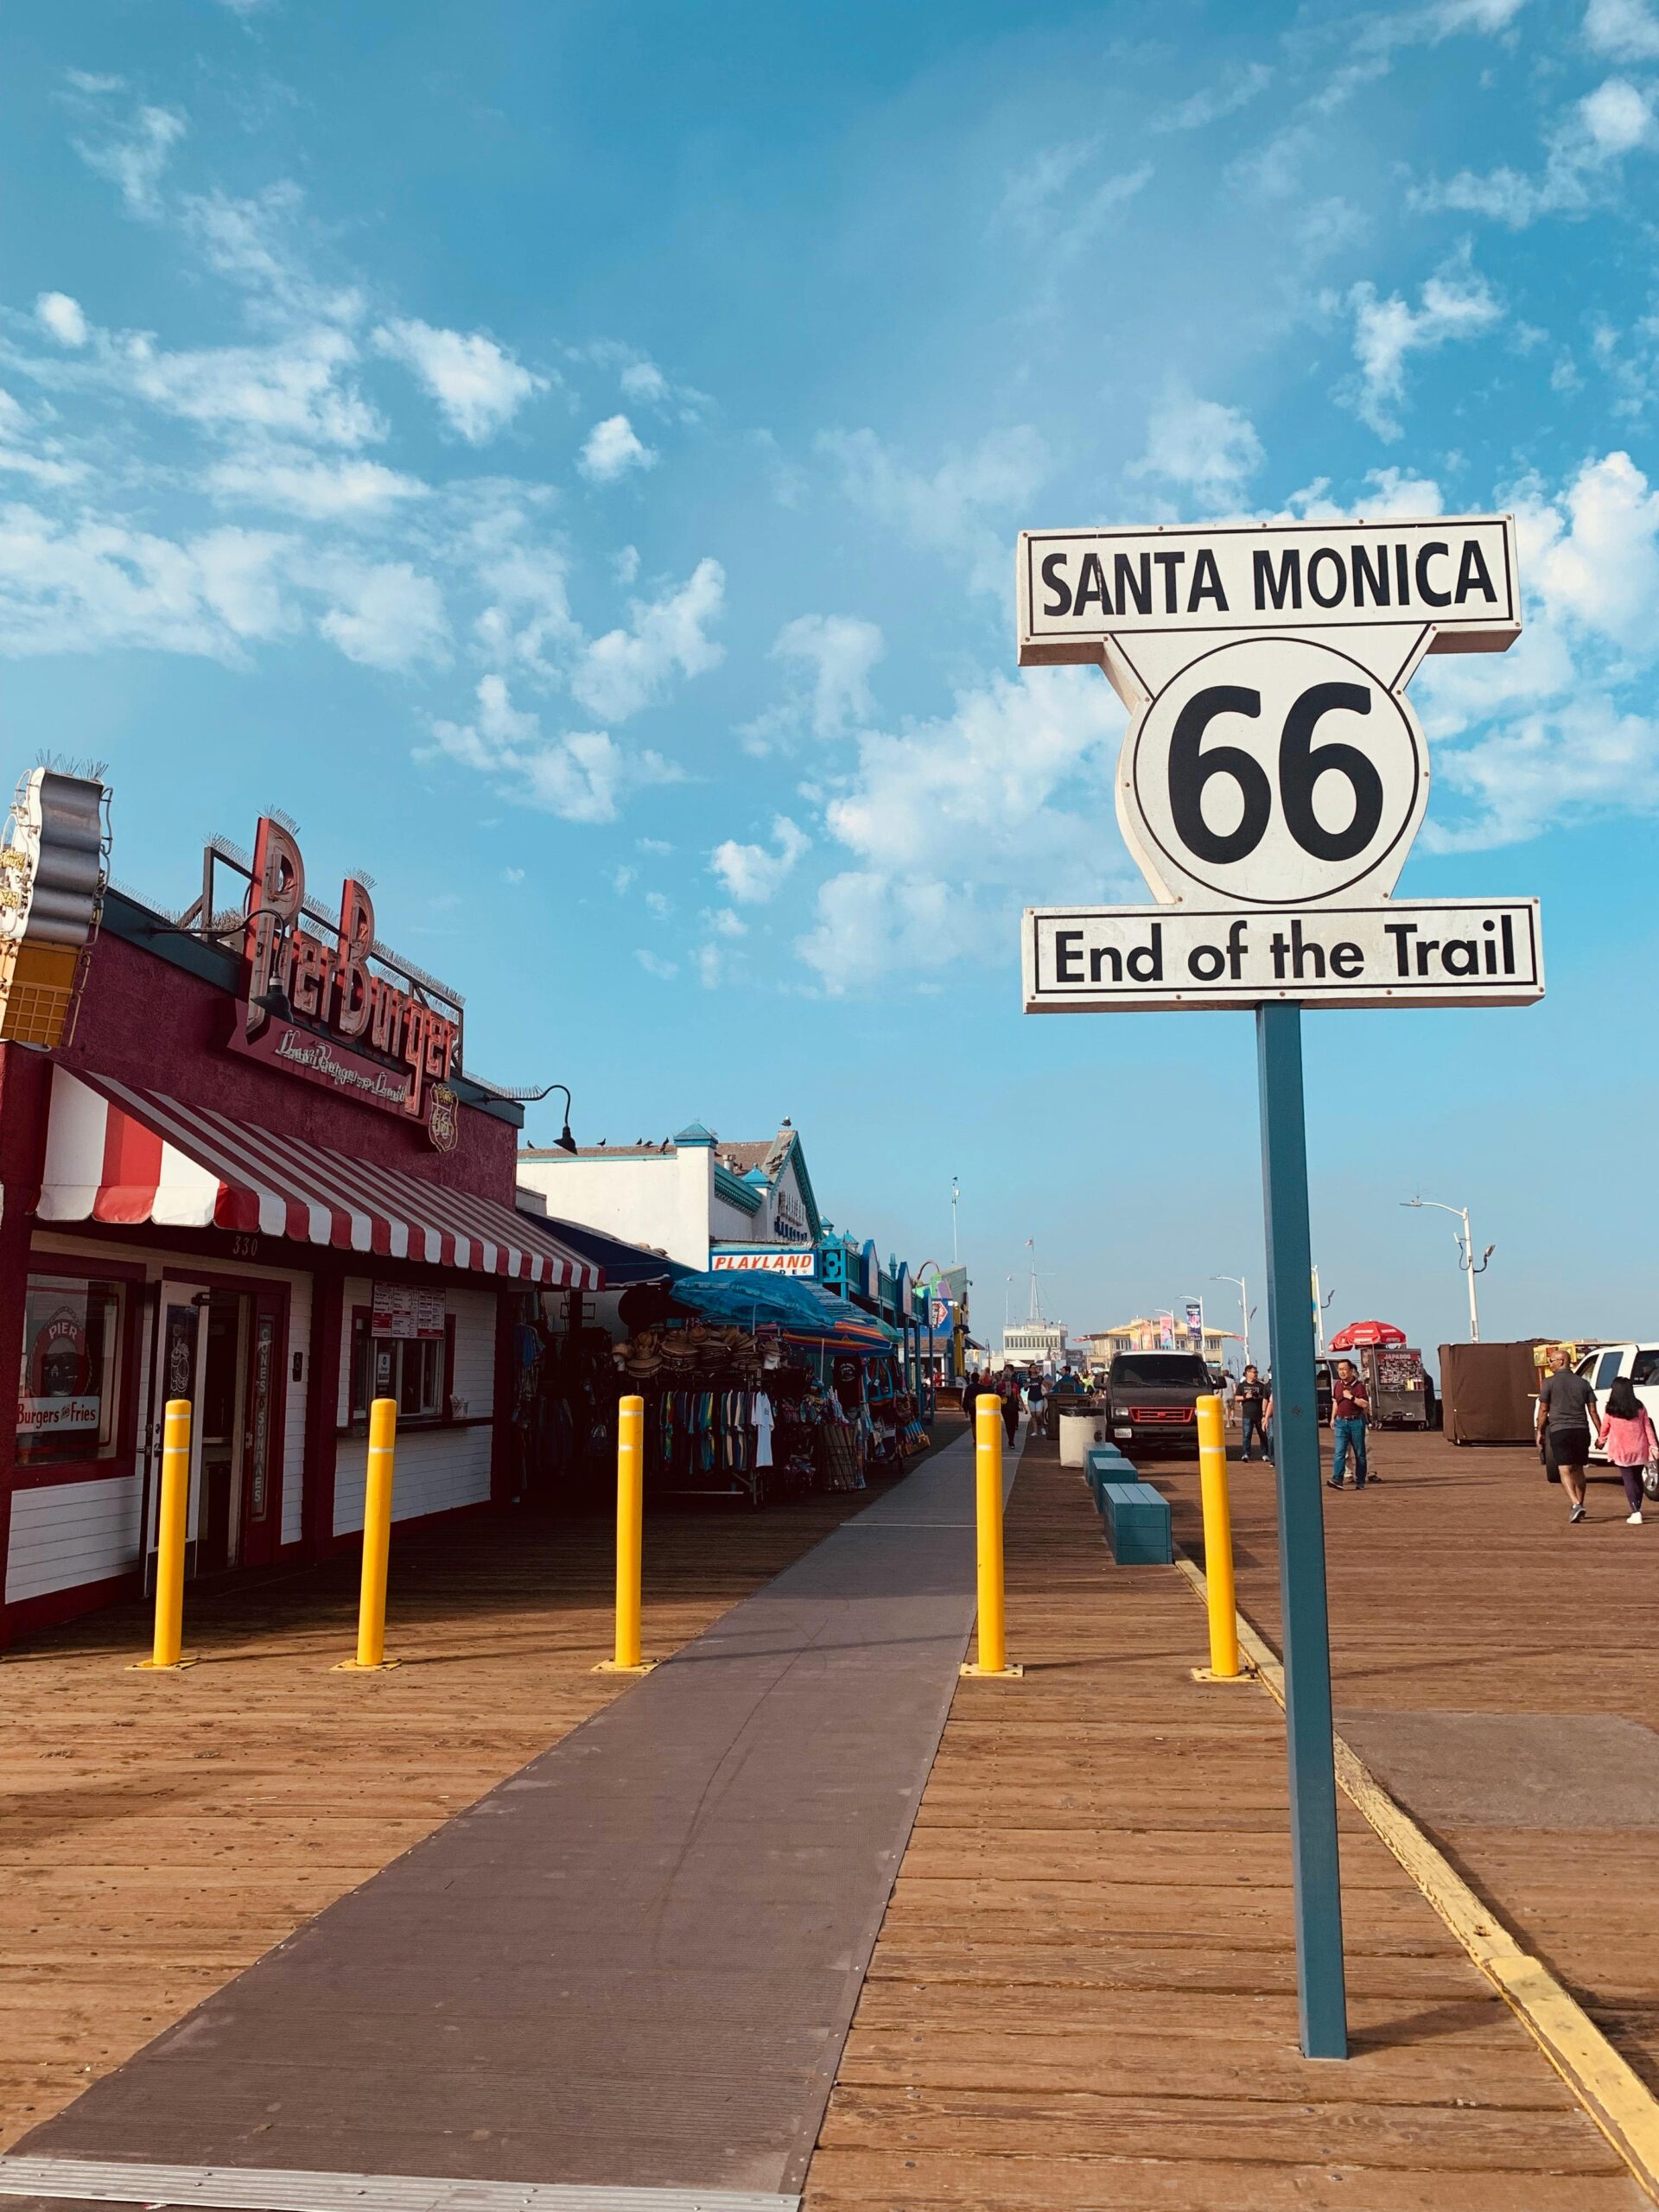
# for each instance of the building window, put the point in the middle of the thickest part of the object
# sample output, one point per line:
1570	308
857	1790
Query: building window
66	1408
413	1370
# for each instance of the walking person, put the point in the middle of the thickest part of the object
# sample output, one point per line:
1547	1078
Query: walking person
1250	1397
1566	1405
1350	1407
1010	1393
1037	1403
1626	1434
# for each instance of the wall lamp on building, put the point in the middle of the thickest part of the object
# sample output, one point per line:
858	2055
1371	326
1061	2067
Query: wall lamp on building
565	1140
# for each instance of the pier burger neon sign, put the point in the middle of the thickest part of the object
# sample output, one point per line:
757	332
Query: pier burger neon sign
314	1006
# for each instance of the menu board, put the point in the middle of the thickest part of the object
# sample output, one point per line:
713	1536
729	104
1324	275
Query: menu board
400	1309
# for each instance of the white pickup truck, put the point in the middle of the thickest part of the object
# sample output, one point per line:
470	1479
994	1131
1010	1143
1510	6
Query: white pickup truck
1603	1367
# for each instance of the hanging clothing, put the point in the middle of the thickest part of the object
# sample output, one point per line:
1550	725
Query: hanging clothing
760	1419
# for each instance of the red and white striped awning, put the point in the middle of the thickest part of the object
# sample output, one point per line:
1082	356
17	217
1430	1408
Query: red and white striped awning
116	1153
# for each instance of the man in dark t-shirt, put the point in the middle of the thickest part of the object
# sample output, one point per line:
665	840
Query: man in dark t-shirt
1566	1407
1249	1398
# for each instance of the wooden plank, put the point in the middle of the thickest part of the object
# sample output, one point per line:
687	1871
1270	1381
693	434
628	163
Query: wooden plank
1084	1991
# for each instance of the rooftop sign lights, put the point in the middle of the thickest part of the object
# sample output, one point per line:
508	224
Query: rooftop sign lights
52	879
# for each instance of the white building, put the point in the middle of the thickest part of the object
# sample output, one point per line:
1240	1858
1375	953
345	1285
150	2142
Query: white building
706	1204
1027	1343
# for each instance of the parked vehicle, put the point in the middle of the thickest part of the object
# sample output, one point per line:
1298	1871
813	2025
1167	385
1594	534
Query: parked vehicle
1152	1399
1607	1362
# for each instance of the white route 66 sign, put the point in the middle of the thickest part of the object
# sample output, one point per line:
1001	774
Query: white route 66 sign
1271	759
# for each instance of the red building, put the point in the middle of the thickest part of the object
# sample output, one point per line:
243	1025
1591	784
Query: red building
257	1176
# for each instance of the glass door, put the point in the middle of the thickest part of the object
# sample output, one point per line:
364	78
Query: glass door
261	1488
180	1372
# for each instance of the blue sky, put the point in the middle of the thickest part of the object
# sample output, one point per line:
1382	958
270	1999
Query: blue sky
569	456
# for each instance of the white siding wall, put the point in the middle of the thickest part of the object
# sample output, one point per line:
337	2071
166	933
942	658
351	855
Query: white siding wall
664	1200
437	1469
299	1340
67	1533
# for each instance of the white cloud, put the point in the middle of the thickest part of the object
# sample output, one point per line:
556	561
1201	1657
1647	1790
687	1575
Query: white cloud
298	388
753	875
952	824
1580	759
1216	101
654	964
1624	29
385	615
241	580
611	450
624	670
478	384
57	313
322	491
133	155
830	656
1457	303
1208	450
644	380
260	246
1598	132
580	775
1594	554
529	618
624	566
1557	728
88	586
1049	199
19	436
966	509
1392	493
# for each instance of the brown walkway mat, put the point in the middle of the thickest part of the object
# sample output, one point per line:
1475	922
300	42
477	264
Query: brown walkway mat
634	1962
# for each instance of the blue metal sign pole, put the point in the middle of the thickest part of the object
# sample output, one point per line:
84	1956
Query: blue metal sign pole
1322	1995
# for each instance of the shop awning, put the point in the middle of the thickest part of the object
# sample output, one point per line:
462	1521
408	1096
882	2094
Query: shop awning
620	1264
119	1155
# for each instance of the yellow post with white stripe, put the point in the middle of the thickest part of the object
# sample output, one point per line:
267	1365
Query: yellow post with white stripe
630	1540
988	1495
172	1521
1217	1547
377	1543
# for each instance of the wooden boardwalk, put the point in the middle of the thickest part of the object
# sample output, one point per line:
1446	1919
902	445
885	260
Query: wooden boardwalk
160	1832
1458	1588
1083	1995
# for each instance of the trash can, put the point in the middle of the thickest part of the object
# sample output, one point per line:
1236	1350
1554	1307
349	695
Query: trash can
1078	1432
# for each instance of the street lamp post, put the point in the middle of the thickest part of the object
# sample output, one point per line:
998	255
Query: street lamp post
1466	1260
1244	1306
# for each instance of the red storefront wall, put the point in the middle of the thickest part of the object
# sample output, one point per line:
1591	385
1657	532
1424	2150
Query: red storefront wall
148	1017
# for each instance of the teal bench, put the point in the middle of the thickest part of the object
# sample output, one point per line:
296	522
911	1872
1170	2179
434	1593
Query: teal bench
1137	1524
1106	1464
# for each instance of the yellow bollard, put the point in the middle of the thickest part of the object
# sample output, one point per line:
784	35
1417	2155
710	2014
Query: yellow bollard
170	1522
630	1539
377	1543
988	1487
1217	1547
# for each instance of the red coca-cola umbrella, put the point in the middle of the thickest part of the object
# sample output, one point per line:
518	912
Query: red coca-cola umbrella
1366	1332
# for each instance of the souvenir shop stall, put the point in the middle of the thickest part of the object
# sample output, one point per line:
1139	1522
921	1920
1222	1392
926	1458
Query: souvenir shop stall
563	1385
757	1386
